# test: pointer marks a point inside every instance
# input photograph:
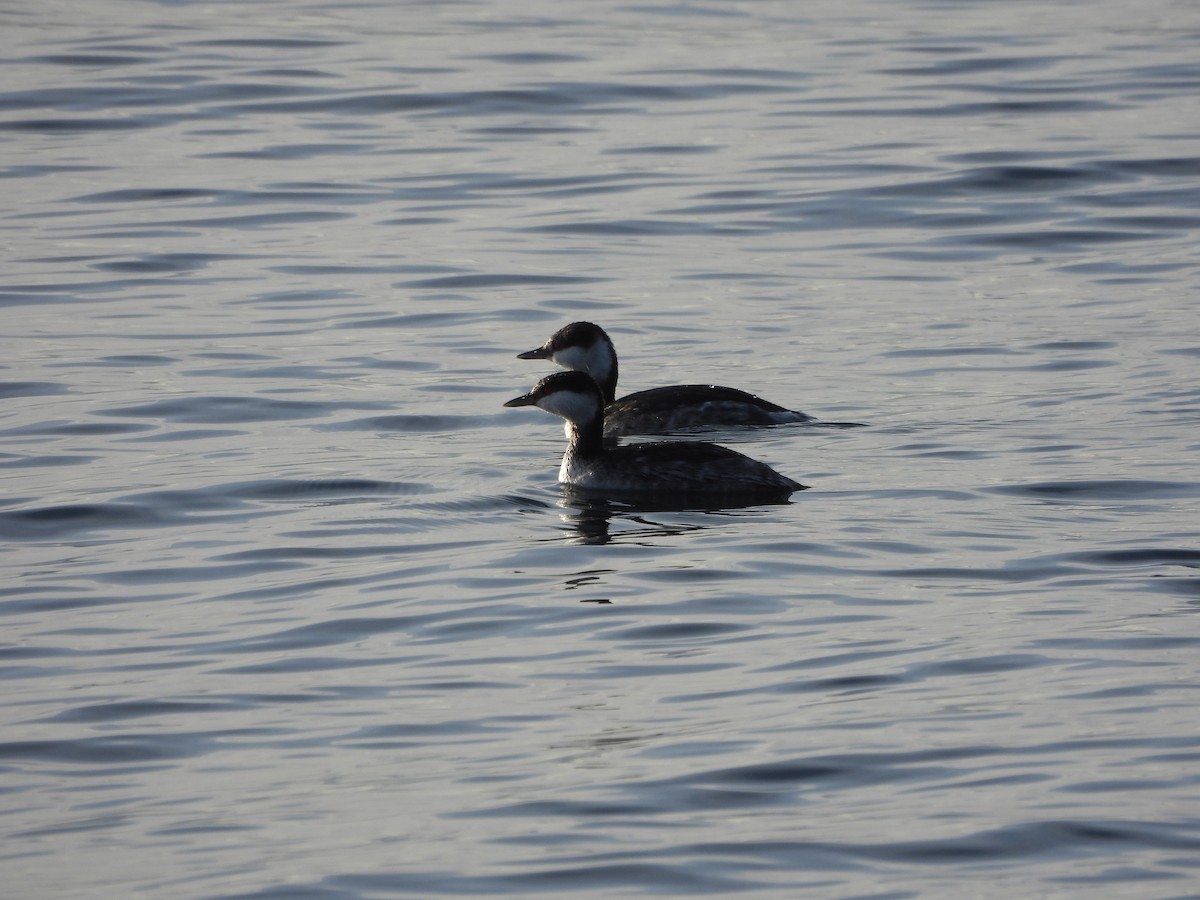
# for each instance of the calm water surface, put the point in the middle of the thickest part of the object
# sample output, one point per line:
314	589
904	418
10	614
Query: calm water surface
293	608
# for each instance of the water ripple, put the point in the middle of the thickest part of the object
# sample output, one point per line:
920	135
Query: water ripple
274	559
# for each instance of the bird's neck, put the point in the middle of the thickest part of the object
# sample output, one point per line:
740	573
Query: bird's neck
606	372
585	440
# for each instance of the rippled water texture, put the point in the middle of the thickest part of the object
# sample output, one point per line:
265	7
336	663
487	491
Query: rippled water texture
292	607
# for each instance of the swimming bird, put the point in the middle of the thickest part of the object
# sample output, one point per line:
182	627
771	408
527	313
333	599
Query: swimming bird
585	347
682	468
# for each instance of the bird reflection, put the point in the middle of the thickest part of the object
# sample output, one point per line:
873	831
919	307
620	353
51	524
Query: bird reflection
591	515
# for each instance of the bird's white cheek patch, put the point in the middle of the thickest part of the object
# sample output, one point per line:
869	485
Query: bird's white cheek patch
573	358
594	360
571	405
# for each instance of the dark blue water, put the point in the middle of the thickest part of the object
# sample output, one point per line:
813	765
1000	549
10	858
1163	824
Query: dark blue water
292	607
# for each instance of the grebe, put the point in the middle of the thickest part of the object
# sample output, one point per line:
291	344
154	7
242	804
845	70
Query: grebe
584	347
676	468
